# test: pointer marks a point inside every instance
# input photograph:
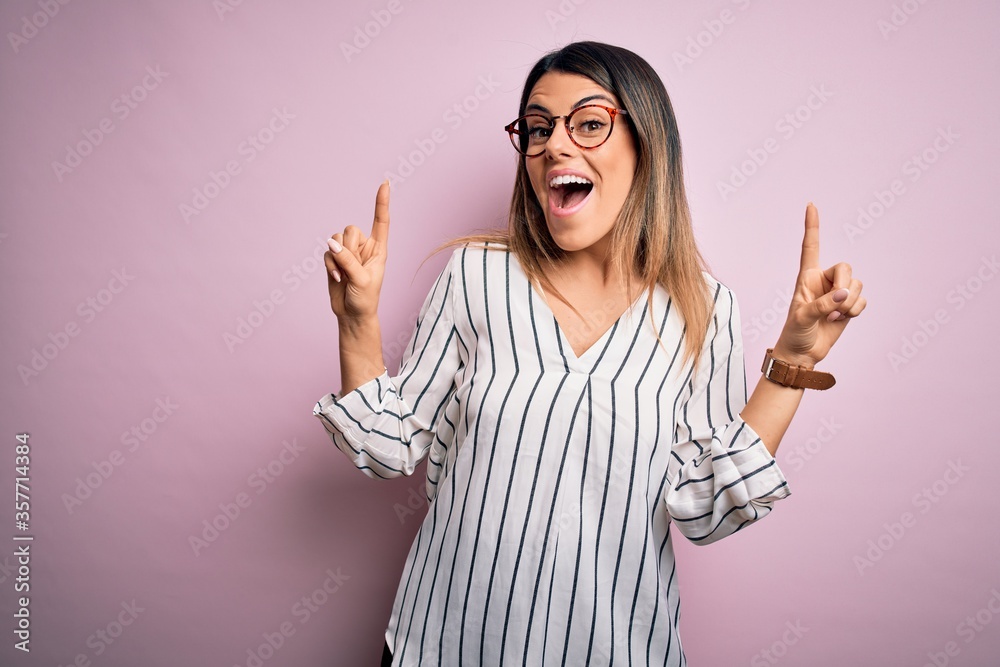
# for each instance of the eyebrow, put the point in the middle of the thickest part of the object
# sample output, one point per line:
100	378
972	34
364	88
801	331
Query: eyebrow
539	107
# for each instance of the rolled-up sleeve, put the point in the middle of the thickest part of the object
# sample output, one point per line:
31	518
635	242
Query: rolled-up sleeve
723	477
386	426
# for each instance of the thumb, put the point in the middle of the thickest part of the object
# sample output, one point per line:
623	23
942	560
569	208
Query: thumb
348	263
824	306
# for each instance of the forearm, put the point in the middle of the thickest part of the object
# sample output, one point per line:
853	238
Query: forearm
771	406
360	353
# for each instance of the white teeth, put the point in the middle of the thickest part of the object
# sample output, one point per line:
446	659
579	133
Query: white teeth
563	180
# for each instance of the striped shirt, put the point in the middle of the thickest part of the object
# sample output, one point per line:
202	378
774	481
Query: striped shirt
552	478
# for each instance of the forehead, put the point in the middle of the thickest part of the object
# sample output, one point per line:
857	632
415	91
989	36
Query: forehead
563	89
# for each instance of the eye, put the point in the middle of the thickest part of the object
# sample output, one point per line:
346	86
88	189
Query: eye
538	128
591	125
591	122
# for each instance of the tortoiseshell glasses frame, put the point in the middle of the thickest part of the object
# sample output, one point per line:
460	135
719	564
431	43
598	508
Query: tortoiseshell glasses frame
520	131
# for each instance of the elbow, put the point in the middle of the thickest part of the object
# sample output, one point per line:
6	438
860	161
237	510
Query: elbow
697	530
702	542
379	472
694	523
378	465
371	460
704	526
382	448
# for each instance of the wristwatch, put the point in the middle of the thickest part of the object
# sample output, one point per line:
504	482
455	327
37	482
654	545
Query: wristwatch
783	373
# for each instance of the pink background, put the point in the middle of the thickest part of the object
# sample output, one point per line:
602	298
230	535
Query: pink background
864	582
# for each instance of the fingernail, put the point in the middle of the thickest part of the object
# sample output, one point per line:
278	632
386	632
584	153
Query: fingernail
336	275
334	246
840	294
834	316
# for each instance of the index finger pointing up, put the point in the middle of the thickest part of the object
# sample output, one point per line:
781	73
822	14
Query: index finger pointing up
380	226
810	240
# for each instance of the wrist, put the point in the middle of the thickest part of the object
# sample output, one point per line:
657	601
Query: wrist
794	371
782	353
357	326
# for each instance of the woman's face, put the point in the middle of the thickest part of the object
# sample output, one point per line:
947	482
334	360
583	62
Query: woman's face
578	220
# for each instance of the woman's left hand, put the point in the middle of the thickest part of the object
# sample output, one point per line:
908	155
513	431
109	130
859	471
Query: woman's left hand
823	303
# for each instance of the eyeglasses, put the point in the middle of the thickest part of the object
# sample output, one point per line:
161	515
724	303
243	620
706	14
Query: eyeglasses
588	126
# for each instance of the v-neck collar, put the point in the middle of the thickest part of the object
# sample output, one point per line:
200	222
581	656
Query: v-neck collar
600	344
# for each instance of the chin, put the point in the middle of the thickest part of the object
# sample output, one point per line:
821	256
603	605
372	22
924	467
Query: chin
571	241
572	234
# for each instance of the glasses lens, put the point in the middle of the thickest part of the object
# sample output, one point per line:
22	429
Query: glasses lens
530	134
590	126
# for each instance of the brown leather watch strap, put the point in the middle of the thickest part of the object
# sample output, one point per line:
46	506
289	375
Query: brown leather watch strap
786	375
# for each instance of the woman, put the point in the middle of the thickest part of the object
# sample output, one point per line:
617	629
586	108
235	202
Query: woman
562	445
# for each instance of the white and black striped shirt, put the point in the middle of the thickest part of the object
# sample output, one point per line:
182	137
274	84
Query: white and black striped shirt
553	479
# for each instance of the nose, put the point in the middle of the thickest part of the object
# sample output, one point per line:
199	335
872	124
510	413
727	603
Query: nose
559	142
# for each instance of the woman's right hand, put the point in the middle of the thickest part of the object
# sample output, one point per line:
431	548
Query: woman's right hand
355	265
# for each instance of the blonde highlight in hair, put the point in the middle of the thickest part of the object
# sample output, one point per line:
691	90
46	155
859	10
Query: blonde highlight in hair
653	233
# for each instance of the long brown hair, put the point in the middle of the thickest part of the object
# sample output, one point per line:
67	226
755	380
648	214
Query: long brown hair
653	232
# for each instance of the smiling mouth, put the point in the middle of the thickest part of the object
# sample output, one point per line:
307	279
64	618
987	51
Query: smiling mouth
568	195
